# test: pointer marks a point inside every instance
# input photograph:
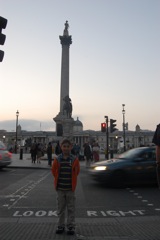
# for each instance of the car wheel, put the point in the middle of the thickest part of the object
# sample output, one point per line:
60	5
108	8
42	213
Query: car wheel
118	179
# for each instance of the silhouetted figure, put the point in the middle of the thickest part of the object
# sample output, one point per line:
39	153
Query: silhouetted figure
87	154
49	153
39	152
58	149
33	152
65	32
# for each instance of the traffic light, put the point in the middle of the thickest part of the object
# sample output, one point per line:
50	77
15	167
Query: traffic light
103	127
112	125
3	24
1	55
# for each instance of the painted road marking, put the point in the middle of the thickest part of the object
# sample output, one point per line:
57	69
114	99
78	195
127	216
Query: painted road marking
143	200
108	213
23	191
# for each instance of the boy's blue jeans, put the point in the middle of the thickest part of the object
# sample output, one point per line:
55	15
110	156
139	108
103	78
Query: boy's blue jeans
66	200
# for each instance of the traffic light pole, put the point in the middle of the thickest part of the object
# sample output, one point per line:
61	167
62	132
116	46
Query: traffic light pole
107	142
124	134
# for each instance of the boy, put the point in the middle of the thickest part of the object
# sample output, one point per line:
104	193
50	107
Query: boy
65	169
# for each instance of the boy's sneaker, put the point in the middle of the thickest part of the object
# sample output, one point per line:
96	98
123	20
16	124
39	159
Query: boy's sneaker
71	231
59	230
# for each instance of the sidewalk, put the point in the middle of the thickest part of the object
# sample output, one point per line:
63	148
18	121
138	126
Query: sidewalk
26	162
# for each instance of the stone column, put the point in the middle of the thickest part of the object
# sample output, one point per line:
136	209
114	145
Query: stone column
65	41
64	120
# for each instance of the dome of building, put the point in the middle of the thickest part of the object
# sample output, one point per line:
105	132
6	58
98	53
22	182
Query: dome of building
138	128
78	126
78	123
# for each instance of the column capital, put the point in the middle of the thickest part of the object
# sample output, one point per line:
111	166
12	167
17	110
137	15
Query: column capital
66	40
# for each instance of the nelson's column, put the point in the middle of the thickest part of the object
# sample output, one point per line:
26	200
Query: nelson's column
64	120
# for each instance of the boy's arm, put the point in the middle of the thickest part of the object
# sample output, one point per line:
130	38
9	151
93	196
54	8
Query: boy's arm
77	166
54	167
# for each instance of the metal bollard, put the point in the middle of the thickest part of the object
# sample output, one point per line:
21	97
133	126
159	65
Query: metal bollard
21	153
111	154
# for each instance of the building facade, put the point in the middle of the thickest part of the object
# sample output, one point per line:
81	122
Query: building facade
133	139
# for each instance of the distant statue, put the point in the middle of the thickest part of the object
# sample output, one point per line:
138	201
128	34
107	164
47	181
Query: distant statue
67	107
66	29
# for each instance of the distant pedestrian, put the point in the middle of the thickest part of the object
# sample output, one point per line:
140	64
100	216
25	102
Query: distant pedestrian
75	149
58	149
39	152
156	141
65	169
49	153
96	150
33	152
87	154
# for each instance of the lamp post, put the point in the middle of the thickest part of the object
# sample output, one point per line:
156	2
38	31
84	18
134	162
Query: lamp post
124	134
116	143
17	114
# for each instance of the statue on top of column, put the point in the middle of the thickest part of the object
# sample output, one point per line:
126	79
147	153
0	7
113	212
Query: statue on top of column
65	32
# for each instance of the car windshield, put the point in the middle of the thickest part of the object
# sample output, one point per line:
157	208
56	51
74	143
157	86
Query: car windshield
131	153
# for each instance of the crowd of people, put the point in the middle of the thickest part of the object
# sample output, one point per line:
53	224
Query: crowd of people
89	153
38	150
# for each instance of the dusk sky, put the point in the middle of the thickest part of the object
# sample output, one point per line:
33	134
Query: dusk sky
114	60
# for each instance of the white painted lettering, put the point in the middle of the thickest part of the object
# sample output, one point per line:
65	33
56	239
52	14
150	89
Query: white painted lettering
52	213
28	213
92	213
113	213
126	213
141	212
16	214
40	213
103	213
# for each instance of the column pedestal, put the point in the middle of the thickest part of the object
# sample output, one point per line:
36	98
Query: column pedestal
64	126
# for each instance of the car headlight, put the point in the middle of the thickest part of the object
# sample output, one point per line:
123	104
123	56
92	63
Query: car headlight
100	168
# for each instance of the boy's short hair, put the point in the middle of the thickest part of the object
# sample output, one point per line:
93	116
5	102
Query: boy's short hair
64	141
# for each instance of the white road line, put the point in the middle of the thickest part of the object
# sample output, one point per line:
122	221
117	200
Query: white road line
27	190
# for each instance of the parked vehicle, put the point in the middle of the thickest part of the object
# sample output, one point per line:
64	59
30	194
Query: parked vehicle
5	156
136	166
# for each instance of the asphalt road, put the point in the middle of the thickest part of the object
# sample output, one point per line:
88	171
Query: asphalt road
29	195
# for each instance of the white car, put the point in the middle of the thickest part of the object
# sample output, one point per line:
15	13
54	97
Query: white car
5	156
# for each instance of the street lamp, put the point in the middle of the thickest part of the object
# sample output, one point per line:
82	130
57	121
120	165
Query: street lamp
17	114
124	134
